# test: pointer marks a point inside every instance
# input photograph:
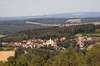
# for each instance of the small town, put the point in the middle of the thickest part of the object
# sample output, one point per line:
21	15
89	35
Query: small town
37	43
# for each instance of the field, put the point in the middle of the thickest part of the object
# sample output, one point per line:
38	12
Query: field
4	55
97	33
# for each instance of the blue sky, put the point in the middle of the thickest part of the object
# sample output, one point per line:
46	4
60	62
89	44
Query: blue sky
44	7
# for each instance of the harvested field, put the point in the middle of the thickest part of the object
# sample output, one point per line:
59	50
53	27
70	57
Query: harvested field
4	55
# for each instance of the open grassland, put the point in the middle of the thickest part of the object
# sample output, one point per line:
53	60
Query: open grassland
97	30
97	33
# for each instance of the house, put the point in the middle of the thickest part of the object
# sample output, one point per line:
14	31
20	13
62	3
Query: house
34	43
80	42
62	38
50	42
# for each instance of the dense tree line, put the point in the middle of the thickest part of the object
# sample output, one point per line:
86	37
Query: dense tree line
54	32
97	26
43	57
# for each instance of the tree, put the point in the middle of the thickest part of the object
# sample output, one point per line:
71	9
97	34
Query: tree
22	61
68	57
93	56
11	61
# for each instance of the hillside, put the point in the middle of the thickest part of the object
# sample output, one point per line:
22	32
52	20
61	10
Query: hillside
46	33
9	25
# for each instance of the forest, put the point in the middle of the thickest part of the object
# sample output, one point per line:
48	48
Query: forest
50	57
54	32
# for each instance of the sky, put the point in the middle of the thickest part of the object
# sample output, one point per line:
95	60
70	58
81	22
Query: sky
10	8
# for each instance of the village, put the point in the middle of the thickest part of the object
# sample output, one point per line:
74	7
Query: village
81	42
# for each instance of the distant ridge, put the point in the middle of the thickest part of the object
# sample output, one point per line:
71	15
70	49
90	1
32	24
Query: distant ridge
10	25
60	15
73	15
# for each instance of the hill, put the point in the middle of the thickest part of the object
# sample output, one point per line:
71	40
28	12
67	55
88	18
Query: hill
9	25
